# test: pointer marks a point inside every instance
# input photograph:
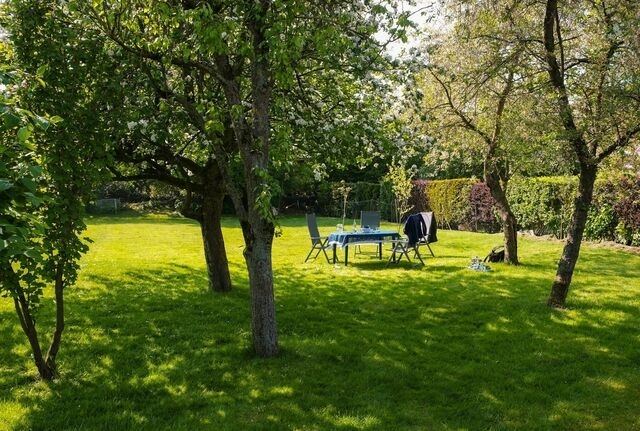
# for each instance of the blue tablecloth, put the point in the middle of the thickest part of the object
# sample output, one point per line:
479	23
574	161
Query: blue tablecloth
344	239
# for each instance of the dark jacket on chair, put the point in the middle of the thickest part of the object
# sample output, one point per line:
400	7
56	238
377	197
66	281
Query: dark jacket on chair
415	228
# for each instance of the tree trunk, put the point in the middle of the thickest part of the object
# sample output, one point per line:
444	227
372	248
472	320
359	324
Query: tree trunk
214	249
508	220
27	322
57	334
259	242
571	251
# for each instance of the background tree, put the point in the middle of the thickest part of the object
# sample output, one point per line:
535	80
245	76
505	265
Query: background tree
590	49
118	107
473	91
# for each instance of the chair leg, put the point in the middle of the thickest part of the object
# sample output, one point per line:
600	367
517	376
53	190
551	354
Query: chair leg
417	254
310	251
319	249
398	249
429	247
326	256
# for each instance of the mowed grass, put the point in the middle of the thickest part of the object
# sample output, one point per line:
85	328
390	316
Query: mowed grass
364	347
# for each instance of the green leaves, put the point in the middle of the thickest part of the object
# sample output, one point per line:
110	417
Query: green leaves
5	184
23	134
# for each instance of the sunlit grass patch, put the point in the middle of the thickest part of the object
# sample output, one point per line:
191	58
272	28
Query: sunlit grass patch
364	347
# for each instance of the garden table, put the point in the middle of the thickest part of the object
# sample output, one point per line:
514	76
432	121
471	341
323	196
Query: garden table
360	237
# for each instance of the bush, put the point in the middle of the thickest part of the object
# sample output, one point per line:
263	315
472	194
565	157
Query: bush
419	199
126	191
627	208
386	200
363	196
449	200
482	216
542	205
602	219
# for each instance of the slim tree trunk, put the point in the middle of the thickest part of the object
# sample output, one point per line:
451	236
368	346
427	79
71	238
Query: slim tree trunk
507	218
214	249
29	327
57	334
571	251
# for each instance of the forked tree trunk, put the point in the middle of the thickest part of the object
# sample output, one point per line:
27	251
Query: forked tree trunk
259	241
47	371
571	251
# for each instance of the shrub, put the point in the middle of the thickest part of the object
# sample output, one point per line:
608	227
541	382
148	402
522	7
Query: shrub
126	191
385	199
627	208
543	205
602	219
364	197
449	200
419	199
482	216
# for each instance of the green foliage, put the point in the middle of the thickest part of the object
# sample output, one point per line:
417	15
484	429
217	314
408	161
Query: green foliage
603	219
601	223
400	180
45	179
329	198
479	350
543	205
23	201
449	200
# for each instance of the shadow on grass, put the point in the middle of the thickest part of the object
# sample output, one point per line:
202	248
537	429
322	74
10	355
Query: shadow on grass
141	218
437	348
12	336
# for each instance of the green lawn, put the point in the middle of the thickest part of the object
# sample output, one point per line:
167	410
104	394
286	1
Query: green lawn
365	347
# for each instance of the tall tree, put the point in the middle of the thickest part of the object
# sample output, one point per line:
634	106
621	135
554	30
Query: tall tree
474	84
591	53
239	61
119	108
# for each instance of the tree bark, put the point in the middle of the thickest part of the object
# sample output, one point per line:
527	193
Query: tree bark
588	164
212	190
54	347
259	241
28	326
571	250
507	218
214	249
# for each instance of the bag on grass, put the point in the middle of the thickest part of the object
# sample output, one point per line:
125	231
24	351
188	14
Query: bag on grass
496	254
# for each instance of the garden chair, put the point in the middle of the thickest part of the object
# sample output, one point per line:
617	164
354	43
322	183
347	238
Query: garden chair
318	242
370	219
429	233
415	230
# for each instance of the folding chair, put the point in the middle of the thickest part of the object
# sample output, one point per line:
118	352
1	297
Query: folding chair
429	233
369	219
415	229
318	242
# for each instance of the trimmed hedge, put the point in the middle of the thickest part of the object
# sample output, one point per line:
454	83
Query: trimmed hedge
542	205
449	200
